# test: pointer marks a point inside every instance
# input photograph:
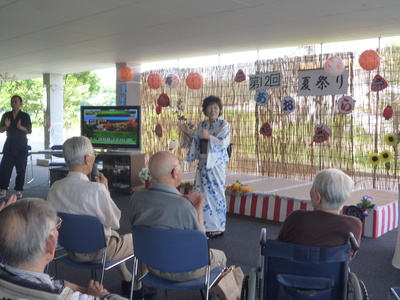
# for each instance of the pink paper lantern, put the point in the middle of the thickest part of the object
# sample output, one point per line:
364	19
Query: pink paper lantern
194	81
172	81
155	81
369	60
125	74
334	66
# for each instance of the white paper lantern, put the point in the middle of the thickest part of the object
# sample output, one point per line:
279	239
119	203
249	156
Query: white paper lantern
346	104
334	66
172	81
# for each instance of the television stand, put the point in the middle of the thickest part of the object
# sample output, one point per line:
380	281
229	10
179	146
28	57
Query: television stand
121	169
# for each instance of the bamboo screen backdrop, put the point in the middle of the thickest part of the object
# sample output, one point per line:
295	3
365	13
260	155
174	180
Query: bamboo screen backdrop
289	152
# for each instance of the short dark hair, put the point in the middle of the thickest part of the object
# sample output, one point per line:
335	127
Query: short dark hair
19	97
210	100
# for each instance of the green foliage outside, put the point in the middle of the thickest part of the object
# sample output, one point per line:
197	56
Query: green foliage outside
79	89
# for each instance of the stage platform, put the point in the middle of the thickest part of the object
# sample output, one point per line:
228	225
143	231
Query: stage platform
275	198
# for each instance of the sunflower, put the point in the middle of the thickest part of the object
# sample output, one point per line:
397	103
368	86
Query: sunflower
374	159
390	139
386	156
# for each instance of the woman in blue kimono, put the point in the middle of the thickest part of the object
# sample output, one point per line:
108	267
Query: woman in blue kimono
208	144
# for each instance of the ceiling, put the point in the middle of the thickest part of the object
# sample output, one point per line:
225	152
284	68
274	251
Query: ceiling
68	36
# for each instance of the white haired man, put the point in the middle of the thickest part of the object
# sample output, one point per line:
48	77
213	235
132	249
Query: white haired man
28	238
76	194
325	226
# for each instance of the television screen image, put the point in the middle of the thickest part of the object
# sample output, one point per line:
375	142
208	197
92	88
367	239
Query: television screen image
111	126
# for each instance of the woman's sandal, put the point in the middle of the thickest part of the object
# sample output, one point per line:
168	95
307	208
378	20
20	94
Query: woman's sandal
19	195
2	195
214	234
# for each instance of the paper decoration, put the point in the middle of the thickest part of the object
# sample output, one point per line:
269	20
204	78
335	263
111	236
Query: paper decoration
288	105
155	81
158	130
163	100
194	81
159	110
172	81
240	76
369	60
171	145
378	83
346	104
125	74
334	66
266	129
387	112
322	133
261	97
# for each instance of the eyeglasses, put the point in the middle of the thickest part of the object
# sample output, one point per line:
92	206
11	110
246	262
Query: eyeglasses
59	221
180	163
58	224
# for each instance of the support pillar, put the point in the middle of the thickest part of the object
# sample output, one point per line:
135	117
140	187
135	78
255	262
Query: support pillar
54	111
128	93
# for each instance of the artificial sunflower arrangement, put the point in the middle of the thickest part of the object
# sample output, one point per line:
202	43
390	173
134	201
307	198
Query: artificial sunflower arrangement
386	156
239	188
374	159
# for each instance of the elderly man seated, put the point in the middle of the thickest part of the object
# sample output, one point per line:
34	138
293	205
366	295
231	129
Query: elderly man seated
163	206
28	238
324	227
75	194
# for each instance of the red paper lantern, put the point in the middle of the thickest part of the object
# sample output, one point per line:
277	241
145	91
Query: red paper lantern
369	60
194	81
155	81
158	130
125	74
163	100
159	110
387	112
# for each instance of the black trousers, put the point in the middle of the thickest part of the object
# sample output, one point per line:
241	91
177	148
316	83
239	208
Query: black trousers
7	164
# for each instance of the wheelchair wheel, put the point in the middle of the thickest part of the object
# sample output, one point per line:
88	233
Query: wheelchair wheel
243	292
252	285
356	288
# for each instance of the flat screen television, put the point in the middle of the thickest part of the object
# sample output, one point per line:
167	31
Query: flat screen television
112	127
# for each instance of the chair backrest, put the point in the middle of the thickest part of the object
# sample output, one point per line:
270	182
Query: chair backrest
57	147
304	271
81	233
171	250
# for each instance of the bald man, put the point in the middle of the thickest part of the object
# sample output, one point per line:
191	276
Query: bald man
163	206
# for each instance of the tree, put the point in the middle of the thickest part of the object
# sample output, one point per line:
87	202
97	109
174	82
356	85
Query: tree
79	88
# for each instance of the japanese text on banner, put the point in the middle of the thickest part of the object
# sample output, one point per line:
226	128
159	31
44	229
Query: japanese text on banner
265	81
318	83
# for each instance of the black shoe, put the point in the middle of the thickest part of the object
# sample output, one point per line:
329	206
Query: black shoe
148	291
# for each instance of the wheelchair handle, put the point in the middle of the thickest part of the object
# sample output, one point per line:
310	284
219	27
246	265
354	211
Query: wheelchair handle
353	242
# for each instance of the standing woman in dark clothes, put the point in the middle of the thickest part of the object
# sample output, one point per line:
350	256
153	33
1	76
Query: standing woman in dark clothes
15	151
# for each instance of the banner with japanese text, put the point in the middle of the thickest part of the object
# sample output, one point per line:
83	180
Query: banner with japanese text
318	83
265	81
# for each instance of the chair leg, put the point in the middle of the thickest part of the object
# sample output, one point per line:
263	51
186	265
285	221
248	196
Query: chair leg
166	294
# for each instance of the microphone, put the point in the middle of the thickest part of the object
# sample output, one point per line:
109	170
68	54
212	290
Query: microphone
95	170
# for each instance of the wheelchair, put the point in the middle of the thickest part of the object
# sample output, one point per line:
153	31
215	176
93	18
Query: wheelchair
297	272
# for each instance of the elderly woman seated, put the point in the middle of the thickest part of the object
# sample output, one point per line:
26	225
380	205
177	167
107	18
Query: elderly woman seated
325	226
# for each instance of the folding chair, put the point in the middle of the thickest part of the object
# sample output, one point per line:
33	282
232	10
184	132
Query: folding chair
85	234
291	271
29	162
173	251
56	159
